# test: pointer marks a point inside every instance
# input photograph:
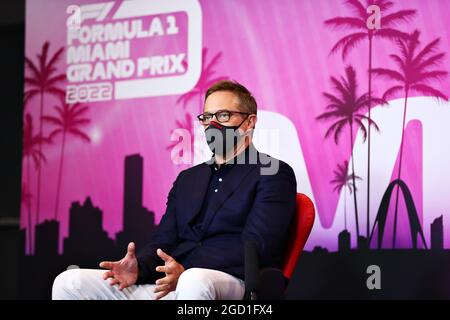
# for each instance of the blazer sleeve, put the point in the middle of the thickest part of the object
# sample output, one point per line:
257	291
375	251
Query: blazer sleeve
272	212
165	237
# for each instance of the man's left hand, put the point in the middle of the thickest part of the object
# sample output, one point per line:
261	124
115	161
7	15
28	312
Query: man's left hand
172	269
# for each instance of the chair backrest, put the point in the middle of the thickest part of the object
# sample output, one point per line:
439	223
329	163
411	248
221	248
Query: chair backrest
299	233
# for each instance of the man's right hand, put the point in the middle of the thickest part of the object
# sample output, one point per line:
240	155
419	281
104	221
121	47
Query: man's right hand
123	272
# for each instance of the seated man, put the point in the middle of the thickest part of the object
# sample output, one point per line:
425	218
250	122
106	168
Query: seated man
213	208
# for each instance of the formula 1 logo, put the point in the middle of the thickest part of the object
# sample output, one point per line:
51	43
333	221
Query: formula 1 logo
132	49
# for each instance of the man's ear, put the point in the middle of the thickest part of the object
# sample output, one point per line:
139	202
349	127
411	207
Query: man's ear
252	121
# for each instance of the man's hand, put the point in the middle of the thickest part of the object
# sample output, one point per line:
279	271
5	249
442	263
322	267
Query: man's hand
172	269
123	272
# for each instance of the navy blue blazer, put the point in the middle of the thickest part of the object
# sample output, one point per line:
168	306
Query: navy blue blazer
250	206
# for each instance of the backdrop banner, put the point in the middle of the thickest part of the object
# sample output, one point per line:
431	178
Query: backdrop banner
353	94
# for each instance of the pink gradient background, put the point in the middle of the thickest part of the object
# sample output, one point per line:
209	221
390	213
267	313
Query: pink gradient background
278	49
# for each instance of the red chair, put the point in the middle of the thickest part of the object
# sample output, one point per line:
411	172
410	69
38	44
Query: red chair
271	283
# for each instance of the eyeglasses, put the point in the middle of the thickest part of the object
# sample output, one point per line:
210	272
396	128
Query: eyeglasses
221	116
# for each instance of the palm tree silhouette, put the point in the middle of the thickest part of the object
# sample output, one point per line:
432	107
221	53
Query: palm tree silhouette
26	197
342	179
43	80
184	124
416	69
31	150
70	119
345	109
206	79
359	22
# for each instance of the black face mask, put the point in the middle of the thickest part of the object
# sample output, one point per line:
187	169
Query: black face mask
221	139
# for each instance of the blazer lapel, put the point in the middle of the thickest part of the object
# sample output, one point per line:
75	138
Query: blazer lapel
198	192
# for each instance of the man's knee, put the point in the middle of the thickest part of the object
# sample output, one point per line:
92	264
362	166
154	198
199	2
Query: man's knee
195	284
77	284
66	285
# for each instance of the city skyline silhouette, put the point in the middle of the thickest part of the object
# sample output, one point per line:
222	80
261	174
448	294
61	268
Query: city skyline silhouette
88	243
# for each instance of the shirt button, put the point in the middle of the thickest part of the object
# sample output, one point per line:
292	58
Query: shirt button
216	190
220	179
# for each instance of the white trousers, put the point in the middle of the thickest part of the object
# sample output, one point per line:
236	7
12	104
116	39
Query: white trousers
193	284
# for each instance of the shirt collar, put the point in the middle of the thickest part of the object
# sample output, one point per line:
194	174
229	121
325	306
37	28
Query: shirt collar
245	157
